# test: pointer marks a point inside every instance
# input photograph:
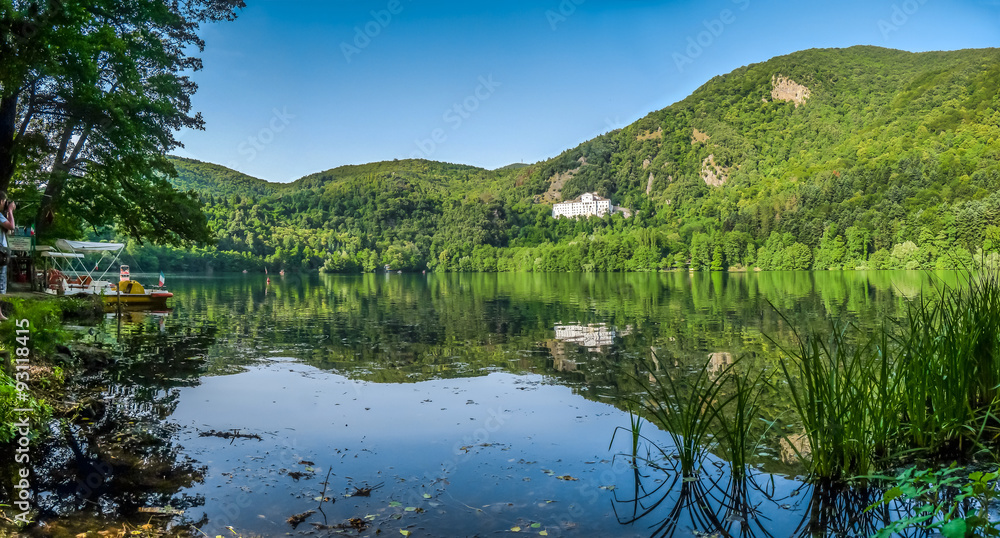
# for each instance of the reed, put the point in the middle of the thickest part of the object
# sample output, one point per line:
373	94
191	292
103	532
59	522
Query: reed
739	421
926	386
845	396
686	408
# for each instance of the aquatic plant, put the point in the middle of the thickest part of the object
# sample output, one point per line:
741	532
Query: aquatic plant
686	408
926	386
943	501
845	397
739	421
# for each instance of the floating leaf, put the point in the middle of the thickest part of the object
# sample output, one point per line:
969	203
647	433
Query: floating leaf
411	509
317	498
543	533
404	532
515	529
567	477
427	495
370	517
535	525
395	504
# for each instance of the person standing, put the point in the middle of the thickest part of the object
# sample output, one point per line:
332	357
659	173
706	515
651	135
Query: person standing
6	225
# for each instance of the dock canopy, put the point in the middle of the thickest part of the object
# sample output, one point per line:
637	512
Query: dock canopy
82	247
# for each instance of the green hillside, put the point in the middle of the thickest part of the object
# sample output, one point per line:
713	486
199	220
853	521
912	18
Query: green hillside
217	181
826	158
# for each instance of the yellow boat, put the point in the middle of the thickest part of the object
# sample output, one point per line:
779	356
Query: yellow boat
131	293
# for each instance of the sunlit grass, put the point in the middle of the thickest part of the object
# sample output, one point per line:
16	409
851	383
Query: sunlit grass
925	387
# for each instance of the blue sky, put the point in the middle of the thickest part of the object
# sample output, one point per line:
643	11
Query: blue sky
294	87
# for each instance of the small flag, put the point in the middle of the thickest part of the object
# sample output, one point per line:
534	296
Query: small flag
162	280
96	268
32	229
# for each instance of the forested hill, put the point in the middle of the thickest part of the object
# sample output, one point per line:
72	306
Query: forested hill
826	158
218	181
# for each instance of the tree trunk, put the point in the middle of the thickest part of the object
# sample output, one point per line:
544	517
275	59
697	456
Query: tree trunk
53	190
8	127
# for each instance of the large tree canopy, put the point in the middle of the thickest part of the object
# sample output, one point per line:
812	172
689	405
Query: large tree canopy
91	94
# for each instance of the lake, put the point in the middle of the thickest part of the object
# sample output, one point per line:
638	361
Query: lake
442	405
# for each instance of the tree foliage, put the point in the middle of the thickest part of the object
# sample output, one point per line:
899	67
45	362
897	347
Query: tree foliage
91	94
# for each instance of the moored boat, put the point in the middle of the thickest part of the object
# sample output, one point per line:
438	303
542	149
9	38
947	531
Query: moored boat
132	293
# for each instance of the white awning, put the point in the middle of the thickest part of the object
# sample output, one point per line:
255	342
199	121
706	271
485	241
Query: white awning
49	254
66	245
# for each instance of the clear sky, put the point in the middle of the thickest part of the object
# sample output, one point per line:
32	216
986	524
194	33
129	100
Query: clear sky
294	87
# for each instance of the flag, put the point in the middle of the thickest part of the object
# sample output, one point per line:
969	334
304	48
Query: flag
95	266
32	229
162	280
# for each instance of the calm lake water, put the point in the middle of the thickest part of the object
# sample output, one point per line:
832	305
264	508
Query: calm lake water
441	405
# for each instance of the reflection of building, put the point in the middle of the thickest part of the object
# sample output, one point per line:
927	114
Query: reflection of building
719	361
589	336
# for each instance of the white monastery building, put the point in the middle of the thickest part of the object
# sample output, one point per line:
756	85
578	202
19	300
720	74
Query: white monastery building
586	205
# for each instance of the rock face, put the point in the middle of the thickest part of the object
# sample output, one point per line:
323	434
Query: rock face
786	89
713	174
556	182
658	133
649	184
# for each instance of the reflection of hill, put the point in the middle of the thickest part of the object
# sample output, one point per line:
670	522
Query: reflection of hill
586	331
412	327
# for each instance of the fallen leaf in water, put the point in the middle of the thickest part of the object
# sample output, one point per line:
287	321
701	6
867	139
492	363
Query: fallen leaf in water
543	533
567	477
515	529
404	532
535	525
427	495
395	504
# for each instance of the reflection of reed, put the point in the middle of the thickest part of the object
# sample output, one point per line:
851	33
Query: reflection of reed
743	506
722	505
842	511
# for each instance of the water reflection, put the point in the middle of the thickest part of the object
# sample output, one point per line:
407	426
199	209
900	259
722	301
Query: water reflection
566	348
756	505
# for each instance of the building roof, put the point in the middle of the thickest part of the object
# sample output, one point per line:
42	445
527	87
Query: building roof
579	199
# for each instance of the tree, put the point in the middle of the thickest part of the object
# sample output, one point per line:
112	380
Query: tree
90	96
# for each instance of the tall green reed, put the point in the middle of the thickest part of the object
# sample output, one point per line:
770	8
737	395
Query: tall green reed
845	396
686	408
926	386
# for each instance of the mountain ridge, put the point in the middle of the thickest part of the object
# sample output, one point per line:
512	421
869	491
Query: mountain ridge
816	159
